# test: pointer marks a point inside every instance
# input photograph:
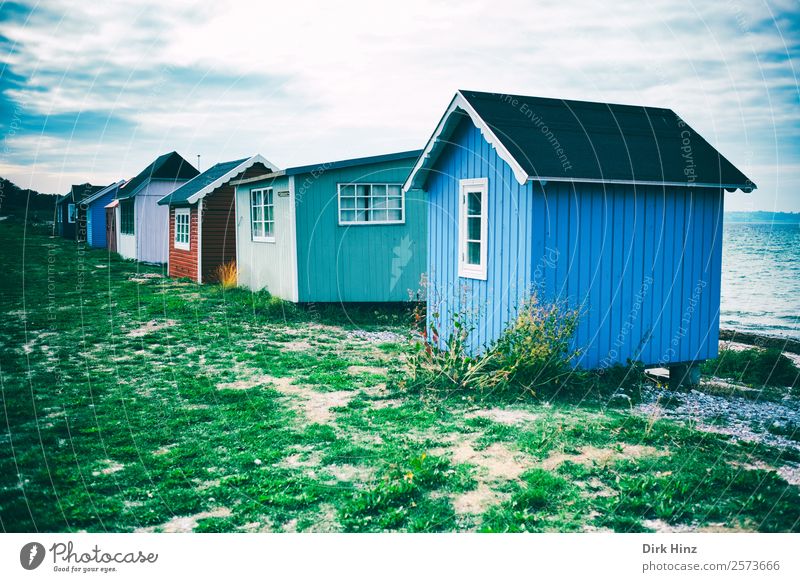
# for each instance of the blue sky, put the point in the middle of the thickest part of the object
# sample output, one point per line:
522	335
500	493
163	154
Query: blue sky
95	90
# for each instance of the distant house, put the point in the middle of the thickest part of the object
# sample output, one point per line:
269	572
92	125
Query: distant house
70	217
142	225
612	209
93	208
202	219
333	232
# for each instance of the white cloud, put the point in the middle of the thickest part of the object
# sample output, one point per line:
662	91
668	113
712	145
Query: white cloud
343	79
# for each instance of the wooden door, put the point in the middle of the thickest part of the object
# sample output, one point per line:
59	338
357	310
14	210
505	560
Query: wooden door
111	229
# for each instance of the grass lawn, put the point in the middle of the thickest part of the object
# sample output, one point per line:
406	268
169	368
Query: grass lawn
132	402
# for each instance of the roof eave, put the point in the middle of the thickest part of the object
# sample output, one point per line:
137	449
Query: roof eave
427	158
746	187
221	181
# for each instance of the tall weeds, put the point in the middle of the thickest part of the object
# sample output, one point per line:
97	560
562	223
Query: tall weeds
533	352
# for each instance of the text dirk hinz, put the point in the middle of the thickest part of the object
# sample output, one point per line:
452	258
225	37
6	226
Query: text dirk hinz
671	549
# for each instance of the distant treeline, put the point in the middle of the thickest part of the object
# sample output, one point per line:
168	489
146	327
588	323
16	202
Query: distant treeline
14	200
763	216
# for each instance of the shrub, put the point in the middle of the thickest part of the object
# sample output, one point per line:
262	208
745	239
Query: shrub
228	275
532	353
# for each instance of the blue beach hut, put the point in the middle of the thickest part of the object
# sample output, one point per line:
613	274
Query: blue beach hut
615	210
95	212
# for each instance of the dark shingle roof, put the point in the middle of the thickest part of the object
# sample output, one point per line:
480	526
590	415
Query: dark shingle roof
196	184
169	166
79	192
581	140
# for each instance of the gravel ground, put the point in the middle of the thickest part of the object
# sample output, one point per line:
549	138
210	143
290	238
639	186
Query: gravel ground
743	419
376	337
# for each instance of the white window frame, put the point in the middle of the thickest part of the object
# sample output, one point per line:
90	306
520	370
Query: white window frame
465	269
268	238
72	213
184	246
402	208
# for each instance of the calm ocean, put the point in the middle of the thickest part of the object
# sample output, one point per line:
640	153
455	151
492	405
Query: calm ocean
761	278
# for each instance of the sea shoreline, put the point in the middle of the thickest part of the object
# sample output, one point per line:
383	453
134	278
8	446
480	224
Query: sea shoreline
760	340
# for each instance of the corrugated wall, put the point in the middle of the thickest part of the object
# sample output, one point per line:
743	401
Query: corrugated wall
358	263
643	266
152	222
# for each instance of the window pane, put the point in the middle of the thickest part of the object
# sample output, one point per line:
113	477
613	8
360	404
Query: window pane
348	216
258	229
474	228
256	197
361	216
474	253
394	190
473	203
257	213
395	202
379	215
362	202
378	190
362	189
348	190
395	215
268	196
348	202
379	202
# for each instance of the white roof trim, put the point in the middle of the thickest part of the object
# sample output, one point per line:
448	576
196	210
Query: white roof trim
275	174
225	178
103	192
460	102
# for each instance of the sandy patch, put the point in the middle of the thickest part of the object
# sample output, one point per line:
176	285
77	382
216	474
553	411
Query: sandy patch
358	370
186	524
108	468
260	380
497	461
315	406
164	450
304	459
351	473
478	501
504	415
209	484
296	346
150	327
593	456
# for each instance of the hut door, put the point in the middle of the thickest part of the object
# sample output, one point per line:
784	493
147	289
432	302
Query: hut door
111	229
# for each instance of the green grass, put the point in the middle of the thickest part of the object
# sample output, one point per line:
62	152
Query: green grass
127	400
755	367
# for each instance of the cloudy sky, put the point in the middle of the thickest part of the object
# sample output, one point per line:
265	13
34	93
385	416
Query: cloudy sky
95	90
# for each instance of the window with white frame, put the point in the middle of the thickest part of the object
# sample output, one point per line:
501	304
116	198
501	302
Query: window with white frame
262	215
182	240
72	213
472	228
371	204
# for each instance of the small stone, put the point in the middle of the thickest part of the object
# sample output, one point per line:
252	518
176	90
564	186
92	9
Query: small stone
257	461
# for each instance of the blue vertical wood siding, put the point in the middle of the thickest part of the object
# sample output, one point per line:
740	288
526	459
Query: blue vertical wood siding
96	235
642	264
